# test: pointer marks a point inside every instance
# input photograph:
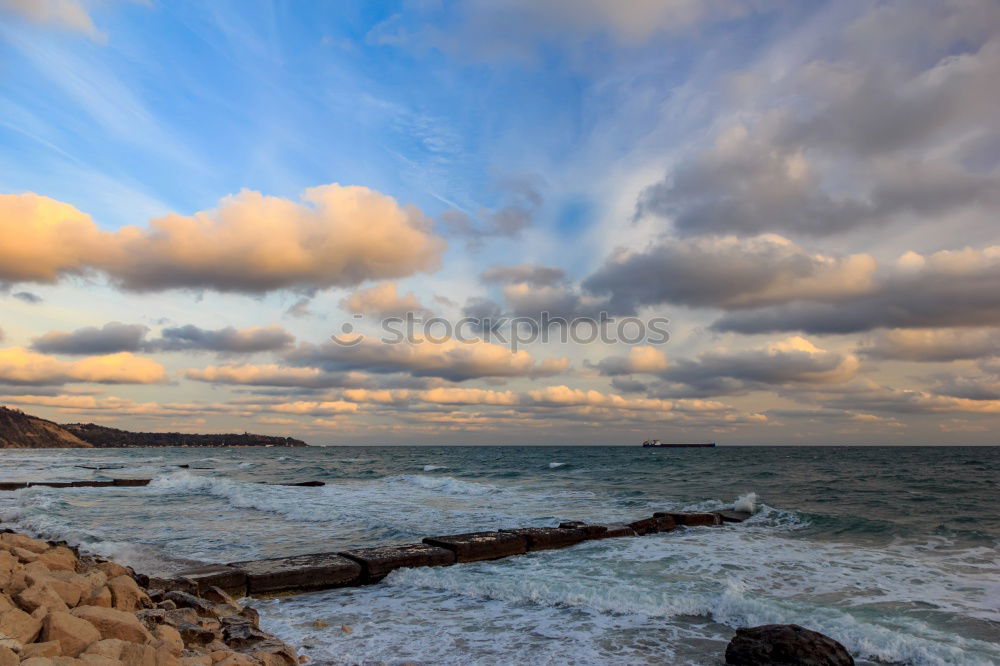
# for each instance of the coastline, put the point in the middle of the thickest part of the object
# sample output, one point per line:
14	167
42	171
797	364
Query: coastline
62	607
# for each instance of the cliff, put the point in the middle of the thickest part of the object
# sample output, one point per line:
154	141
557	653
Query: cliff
23	431
104	437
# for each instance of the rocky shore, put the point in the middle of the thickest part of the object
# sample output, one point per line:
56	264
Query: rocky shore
59	607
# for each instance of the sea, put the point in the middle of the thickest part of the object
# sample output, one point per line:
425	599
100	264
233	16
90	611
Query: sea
893	551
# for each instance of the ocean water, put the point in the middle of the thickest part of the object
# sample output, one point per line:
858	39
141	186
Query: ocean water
892	551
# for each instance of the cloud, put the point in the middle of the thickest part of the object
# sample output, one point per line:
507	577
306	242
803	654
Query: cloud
115	337
950	288
728	272
22	366
793	361
640	360
522	200
245	374
112	337
66	14
28	297
534	275
858	128
452	360
484	31
300	308
382	300
227	340
251	243
933	344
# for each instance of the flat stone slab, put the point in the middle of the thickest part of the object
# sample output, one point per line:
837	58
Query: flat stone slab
118	483
730	516
653	525
547	538
232	580
615	530
377	563
477	546
691	519
299	572
589	530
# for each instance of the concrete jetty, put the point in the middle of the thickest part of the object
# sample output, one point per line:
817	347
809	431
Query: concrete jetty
363	566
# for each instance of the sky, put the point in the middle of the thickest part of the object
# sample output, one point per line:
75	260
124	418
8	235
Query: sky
195	197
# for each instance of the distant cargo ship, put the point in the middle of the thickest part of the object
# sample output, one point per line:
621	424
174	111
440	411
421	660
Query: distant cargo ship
658	443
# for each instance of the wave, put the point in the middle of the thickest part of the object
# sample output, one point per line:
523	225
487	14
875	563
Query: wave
446	484
554	465
433	468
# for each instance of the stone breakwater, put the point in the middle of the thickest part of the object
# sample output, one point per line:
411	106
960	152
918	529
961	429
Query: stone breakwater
59	607
307	573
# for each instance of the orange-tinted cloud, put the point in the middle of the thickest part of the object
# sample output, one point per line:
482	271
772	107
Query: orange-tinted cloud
334	236
22	366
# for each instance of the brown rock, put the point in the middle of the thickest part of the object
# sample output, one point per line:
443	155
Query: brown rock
39	661
46	649
653	525
11	540
110	648
218	596
74	634
134	654
165	657
616	530
730	516
377	563
97	660
114	623
251	614
169	638
71	587
101	598
8	657
23	555
203	660
477	546
20	626
41	595
151	617
126	594
237	659
59	558
112	569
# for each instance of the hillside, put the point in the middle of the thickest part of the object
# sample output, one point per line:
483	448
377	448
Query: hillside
104	437
23	431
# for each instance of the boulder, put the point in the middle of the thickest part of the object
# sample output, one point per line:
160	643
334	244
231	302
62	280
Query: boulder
126	594
169	638
546	538
134	654
785	645
11	540
19	626
59	558
74	634
109	648
300	572
8	657
41	595
691	519
477	546
193	634
97	660
377	563
46	649
114	623
71	587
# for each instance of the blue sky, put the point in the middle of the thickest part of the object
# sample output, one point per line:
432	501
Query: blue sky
750	170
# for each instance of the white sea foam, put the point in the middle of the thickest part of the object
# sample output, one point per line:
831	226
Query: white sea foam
433	468
554	465
746	502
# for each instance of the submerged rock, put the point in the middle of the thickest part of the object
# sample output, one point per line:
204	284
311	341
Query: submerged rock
785	645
